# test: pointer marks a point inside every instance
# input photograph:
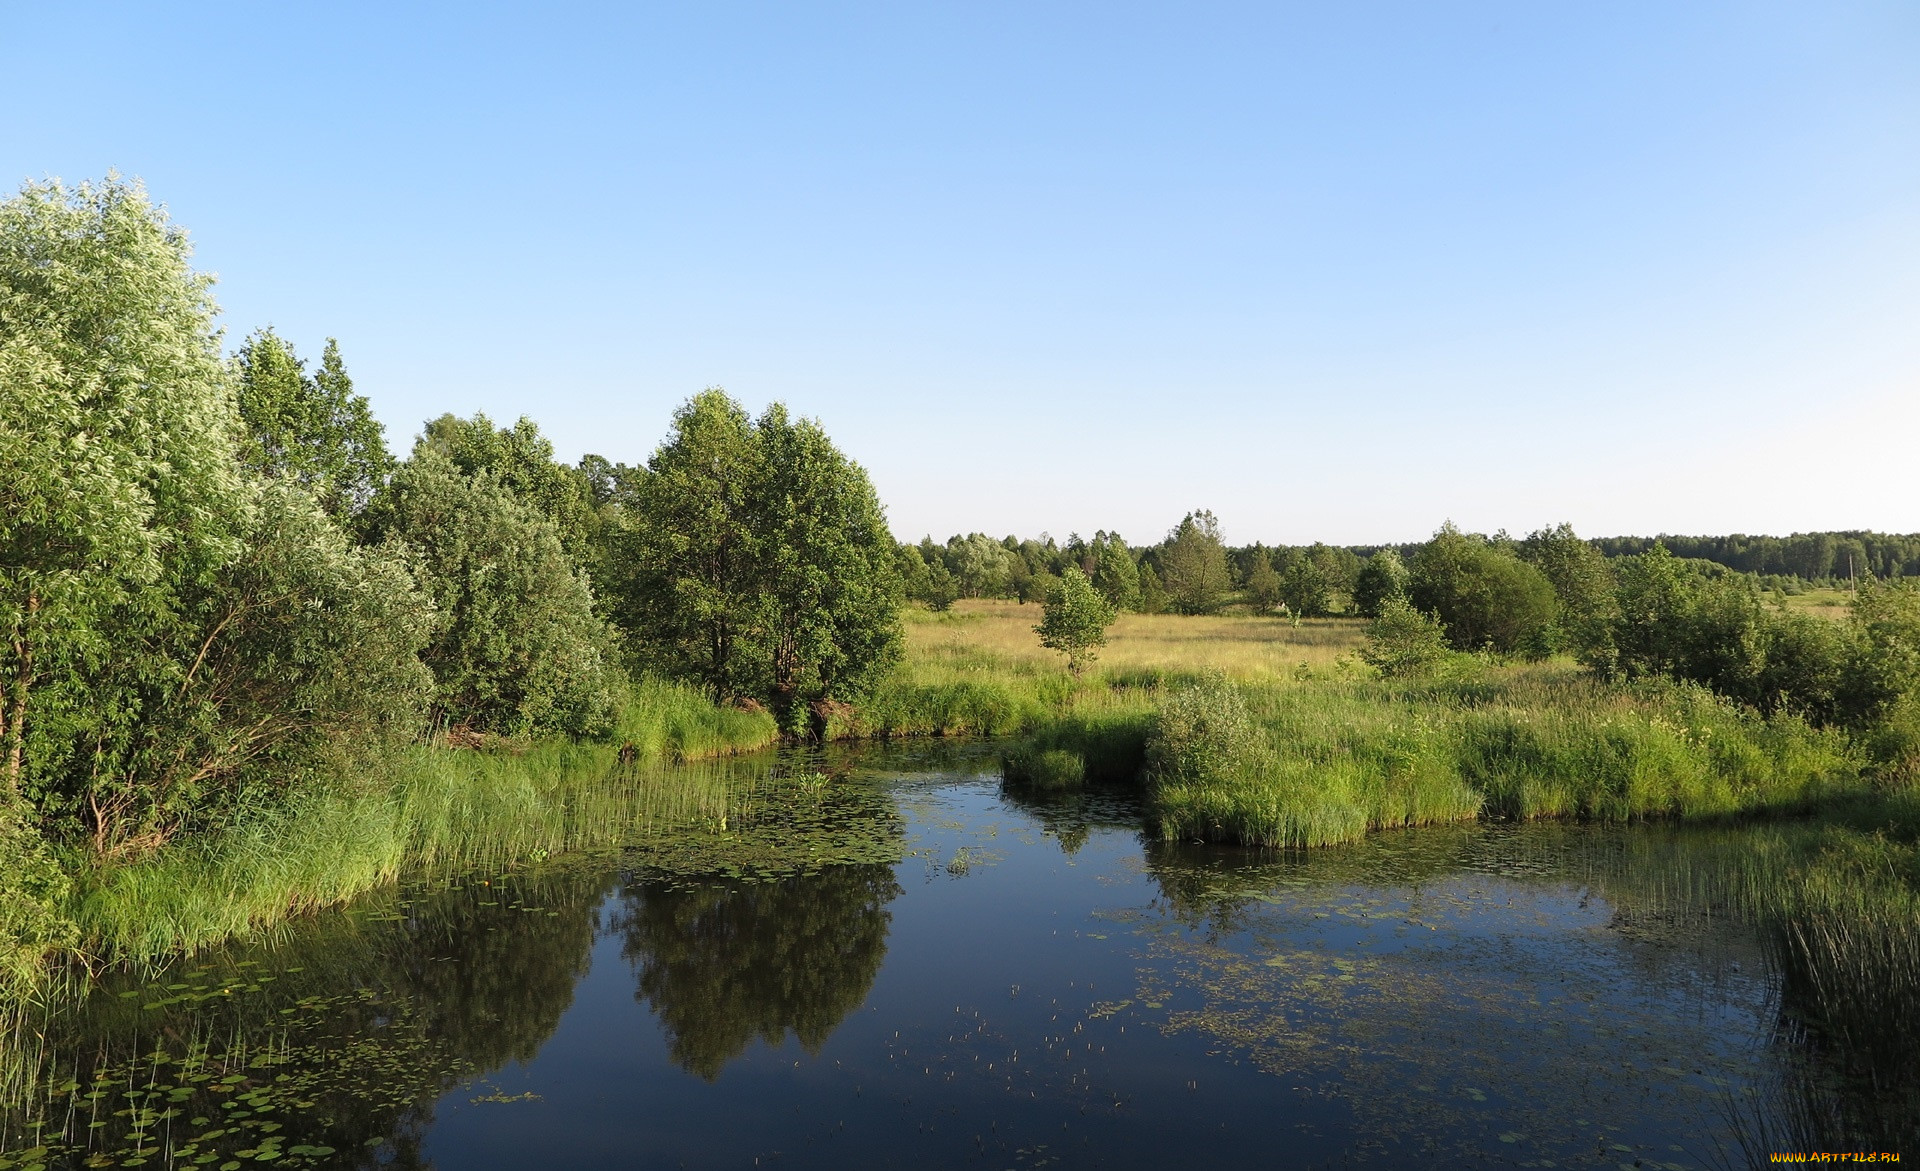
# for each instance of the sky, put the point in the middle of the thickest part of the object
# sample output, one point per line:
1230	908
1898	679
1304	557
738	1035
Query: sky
1340	271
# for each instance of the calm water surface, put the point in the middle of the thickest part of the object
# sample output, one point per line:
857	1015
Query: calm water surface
950	977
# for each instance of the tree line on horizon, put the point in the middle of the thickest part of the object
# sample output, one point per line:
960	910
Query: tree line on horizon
1319	580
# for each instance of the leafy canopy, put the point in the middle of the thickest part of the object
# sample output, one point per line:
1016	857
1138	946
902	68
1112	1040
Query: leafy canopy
754	559
1193	565
311	429
1076	618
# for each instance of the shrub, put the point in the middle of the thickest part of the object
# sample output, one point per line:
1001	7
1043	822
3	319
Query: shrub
1402	641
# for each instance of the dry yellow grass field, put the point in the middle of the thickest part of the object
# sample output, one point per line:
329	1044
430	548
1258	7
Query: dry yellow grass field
1242	646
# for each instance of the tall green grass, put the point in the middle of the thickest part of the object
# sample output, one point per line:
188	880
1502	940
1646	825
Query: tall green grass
1327	761
432	807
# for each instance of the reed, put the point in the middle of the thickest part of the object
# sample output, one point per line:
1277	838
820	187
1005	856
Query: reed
433	807
1337	759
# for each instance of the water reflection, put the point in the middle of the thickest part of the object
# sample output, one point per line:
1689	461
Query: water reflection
726	963
1538	992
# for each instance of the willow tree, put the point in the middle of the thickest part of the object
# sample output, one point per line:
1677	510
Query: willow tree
117	437
176	631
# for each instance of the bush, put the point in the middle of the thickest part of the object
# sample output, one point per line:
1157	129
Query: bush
1202	733
1485	596
519	650
1402	641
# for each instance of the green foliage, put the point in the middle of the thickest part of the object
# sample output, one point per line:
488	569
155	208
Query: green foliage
684	577
520	460
1115	574
1673	620
1305	766
311	429
1583	585
1203	734
1193	565
180	633
297	661
1076	619
981	566
1153	597
1484	595
1264	587
33	914
1305	588
1382	577
518	650
1401	641
427	808
1854	555
116	433
826	569
756	561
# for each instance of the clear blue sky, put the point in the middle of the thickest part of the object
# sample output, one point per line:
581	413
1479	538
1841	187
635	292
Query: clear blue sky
1337	271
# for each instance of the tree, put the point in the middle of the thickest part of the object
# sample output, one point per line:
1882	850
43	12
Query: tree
1076	618
1263	584
1193	565
116	436
825	567
1153	598
1115	574
1305	588
519	649
1485	596
1402	641
312	430
1383	576
294	665
1582	583
520	460
982	566
757	562
685	583
180	632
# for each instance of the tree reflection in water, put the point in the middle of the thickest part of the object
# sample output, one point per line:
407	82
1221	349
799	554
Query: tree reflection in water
721	964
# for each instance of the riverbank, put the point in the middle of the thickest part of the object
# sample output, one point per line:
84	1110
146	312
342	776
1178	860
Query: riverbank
435	805
1240	730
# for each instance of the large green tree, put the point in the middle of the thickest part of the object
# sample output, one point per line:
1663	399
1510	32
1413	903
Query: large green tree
310	428
826	568
1193	565
1484	595
177	630
754	559
685	569
518	649
116	435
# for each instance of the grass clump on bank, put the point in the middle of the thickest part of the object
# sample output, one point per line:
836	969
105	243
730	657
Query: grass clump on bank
1322	763
1255	731
433	806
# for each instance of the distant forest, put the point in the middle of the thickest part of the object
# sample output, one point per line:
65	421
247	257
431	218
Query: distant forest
1135	576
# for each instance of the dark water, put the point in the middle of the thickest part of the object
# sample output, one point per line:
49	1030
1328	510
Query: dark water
966	980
